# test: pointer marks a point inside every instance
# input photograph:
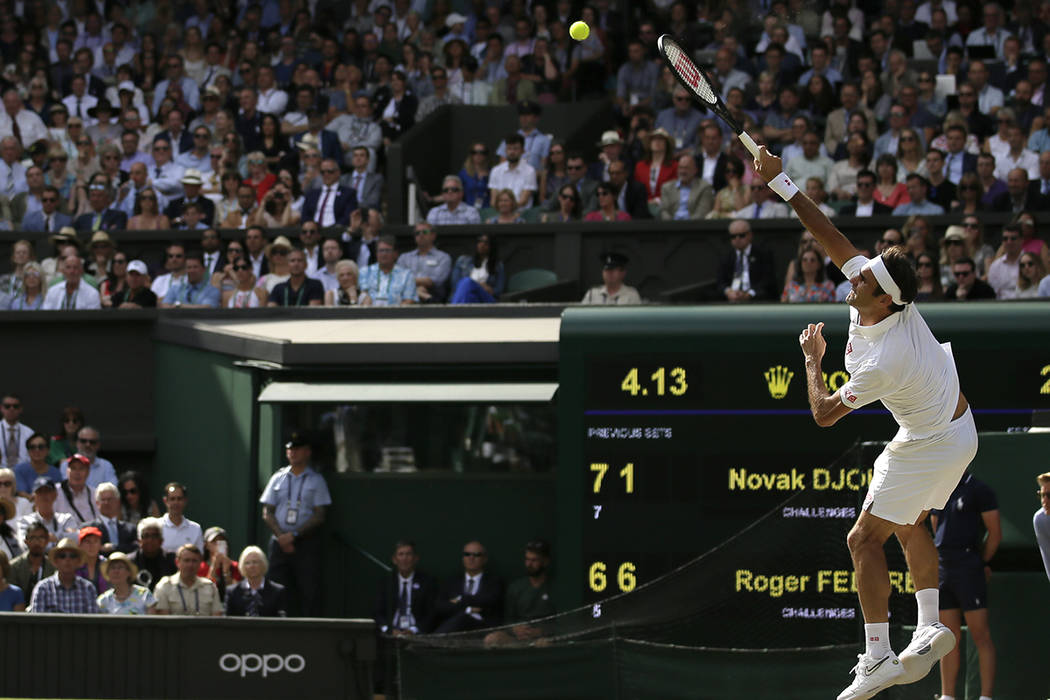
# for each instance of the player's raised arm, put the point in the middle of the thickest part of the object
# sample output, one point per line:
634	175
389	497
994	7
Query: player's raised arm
768	167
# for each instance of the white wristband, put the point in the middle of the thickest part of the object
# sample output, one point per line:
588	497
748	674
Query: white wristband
783	186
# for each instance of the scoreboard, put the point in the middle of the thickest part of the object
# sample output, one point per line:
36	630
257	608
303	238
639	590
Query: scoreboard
688	431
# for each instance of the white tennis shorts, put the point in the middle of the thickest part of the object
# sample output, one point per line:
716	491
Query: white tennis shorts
916	475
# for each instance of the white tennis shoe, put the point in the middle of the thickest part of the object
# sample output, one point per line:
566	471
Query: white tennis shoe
872	675
928	644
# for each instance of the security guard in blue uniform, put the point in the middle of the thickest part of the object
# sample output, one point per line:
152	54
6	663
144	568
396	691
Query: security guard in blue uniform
294	505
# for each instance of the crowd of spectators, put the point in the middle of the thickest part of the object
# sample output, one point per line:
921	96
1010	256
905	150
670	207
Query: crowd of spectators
77	538
274	114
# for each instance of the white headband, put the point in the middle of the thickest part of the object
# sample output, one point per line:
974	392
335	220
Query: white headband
885	280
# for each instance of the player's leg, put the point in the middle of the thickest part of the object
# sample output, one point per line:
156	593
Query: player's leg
878	667
931	640
977	621
921	555
866	542
952	619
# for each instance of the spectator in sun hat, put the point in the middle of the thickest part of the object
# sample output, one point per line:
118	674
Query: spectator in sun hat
64	591
192	180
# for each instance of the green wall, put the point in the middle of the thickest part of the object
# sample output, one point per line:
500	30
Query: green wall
204	440
440	512
204	410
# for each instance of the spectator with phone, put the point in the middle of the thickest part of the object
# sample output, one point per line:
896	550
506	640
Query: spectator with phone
217	564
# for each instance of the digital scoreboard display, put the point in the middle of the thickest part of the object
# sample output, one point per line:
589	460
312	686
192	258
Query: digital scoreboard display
680	439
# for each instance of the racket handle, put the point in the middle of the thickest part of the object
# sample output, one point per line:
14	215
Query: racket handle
749	142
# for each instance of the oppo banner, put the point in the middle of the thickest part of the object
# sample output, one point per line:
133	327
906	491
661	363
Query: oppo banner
186	657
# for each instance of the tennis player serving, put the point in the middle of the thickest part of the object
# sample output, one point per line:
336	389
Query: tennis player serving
891	356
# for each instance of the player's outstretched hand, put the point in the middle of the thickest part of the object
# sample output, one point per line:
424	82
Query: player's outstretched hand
767	165
812	342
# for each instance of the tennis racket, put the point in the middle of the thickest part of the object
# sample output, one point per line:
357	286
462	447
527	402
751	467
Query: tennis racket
693	79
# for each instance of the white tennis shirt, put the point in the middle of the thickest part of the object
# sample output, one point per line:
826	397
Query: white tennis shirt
899	362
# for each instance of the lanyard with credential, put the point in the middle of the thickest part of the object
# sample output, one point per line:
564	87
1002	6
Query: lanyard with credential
298	297
196	598
291	490
70	302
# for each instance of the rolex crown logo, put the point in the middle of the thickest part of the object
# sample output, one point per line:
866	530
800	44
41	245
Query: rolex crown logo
778	379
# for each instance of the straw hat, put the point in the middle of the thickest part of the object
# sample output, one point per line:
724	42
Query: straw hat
121	557
66	544
279	242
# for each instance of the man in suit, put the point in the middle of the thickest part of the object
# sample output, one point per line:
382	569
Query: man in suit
49	218
211	252
100	217
405	604
1038	189
630	194
746	274
330	204
576	169
864	203
368	186
192	181
117	535
327	142
472	600
711	161
176	132
1018	196
838	120
957	161
688	197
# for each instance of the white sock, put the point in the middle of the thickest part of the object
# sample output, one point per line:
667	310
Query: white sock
928	600
985	697
947	697
877	639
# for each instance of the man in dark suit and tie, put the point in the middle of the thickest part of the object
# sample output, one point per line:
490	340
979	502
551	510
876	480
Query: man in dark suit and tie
630	194
330	204
367	186
48	219
211	252
100	217
405	604
117	535
746	274
472	600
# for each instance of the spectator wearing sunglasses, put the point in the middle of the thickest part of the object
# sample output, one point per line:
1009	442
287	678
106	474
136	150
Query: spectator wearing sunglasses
453	211
471	600
967	285
64	591
48	218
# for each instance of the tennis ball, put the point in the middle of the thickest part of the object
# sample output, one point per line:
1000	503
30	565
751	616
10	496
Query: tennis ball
579	30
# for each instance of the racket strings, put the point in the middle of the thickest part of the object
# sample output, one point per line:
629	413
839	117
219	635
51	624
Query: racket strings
687	69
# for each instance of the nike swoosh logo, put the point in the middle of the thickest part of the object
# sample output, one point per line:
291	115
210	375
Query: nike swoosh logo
872	669
923	650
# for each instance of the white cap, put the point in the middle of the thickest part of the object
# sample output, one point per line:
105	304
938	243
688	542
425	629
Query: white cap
138	266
